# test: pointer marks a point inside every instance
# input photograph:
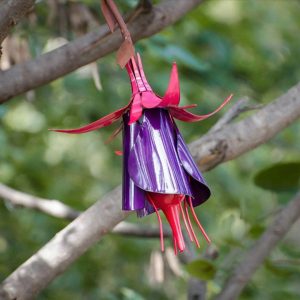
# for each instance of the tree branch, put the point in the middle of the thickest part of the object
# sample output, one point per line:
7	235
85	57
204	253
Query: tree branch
146	4
142	231
11	11
261	249
239	107
88	48
58	209
66	246
235	139
53	208
70	243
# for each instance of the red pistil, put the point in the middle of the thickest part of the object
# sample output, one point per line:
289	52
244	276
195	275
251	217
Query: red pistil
171	205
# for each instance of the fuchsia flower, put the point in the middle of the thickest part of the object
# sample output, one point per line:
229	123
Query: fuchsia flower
158	170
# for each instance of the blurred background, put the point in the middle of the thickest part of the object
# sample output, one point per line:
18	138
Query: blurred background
245	47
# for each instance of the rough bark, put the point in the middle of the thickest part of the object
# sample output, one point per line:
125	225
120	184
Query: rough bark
58	209
11	11
88	48
238	138
65	247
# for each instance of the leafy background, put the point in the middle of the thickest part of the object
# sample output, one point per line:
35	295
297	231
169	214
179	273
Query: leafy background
249	48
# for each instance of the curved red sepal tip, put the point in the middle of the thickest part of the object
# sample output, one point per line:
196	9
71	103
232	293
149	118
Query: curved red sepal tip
170	205
185	116
103	122
172	95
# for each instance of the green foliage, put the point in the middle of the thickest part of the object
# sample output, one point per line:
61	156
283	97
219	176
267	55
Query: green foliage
280	177
202	269
249	48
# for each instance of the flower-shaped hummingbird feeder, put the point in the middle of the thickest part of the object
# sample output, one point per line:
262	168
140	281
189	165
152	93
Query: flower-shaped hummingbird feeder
158	170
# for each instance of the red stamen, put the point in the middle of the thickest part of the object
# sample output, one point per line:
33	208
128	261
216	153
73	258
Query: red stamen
198	222
114	134
175	246
161	232
185	223
190	224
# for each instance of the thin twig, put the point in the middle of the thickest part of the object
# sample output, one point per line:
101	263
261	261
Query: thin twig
60	210
53	208
146	4
123	27
239	107
11	11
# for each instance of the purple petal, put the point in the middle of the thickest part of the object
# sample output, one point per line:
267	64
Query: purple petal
198	185
154	164
103	122
133	196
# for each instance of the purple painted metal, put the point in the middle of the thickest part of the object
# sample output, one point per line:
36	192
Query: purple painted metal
157	160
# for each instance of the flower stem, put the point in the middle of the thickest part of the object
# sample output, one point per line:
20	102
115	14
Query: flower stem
123	27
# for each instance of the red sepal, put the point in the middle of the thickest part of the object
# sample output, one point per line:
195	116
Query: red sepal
136	109
172	95
150	100
103	122
181	114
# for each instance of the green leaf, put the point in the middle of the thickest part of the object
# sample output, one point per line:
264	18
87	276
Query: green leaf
256	230
186	57
182	56
281	177
202	268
